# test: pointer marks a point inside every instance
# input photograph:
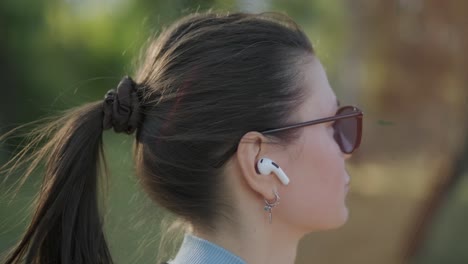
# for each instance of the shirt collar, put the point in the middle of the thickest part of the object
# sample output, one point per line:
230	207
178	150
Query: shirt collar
196	250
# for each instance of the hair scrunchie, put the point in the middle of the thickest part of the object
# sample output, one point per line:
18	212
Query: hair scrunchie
121	107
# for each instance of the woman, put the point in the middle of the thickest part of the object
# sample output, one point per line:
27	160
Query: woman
237	132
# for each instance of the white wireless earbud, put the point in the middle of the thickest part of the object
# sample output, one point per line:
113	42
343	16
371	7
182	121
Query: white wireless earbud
265	166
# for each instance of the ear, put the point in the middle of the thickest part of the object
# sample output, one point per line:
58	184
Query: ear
252	146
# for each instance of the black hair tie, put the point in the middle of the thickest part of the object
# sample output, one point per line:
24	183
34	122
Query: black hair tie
122	107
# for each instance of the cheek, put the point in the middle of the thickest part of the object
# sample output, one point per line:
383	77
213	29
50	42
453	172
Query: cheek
315	194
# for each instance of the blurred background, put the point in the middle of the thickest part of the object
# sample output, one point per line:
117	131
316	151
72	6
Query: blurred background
404	62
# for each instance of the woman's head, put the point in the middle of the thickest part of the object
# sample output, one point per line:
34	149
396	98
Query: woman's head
210	79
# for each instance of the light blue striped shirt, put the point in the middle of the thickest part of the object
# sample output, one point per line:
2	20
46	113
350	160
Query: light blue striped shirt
196	250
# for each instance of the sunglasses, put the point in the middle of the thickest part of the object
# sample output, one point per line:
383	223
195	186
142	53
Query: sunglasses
347	127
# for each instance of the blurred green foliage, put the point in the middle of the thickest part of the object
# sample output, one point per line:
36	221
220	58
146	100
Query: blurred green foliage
448	233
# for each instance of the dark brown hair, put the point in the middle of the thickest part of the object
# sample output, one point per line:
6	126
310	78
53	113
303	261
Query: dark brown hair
204	82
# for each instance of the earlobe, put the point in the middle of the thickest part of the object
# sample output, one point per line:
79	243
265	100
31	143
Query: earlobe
251	148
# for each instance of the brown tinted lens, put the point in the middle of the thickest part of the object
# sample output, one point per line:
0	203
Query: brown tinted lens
346	130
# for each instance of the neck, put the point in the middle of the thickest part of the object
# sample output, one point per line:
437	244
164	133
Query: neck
257	242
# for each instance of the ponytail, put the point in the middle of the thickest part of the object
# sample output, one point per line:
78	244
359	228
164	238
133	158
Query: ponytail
66	226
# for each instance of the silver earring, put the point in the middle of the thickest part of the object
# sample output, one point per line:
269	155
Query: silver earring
270	205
